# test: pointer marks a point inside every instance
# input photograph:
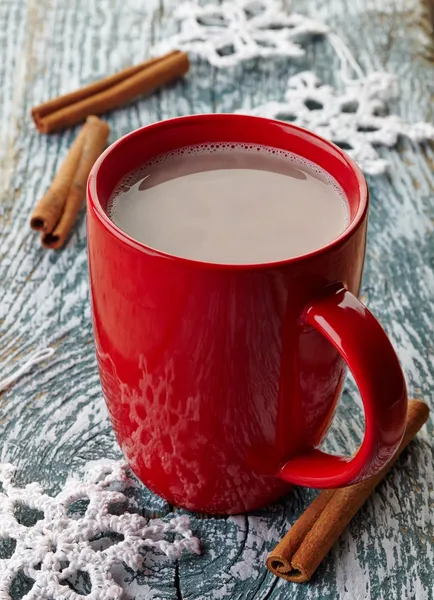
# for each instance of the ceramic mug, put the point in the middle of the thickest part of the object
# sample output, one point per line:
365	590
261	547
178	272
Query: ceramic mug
221	380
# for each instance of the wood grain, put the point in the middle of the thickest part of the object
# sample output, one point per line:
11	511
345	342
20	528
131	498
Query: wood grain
54	420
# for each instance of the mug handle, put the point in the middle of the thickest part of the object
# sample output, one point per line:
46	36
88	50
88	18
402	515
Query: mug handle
343	320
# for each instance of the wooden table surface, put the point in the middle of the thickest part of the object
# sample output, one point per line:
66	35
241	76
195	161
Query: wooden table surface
54	420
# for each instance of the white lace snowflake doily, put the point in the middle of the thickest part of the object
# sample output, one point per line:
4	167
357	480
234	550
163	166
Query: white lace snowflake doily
355	119
236	30
232	31
60	544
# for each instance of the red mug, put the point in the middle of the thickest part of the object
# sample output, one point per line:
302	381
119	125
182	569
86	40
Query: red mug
221	380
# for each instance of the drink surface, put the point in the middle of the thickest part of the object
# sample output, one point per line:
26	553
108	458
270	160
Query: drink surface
231	204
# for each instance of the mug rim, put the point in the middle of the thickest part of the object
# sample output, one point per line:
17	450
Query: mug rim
113	229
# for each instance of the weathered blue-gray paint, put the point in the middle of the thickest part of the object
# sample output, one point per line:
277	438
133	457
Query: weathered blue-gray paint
54	420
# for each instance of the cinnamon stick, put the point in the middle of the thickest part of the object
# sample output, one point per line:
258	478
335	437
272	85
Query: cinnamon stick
90	90
48	210
302	549
110	92
94	135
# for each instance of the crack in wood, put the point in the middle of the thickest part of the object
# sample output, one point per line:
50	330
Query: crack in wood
177	582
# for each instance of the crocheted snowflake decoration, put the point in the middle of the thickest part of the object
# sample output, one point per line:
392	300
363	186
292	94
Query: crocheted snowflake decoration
237	30
356	120
61	544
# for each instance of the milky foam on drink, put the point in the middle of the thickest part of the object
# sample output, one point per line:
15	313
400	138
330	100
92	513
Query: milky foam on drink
230	203
223	148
